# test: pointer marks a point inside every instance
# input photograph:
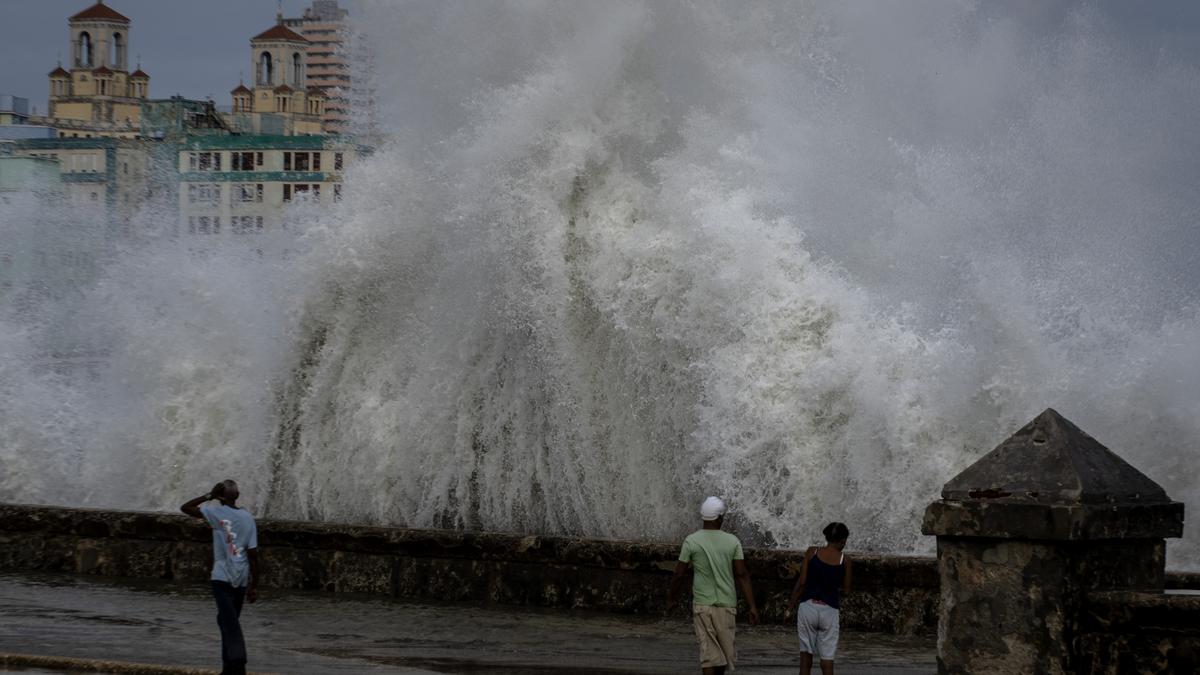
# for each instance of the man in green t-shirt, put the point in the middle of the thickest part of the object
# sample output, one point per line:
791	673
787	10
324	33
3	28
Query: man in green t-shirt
716	559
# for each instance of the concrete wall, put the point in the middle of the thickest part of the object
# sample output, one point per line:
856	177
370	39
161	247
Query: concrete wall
892	594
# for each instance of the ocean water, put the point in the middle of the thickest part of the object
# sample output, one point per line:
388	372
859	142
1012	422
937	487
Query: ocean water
814	257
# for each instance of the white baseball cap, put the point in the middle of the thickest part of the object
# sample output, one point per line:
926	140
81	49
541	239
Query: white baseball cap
712	508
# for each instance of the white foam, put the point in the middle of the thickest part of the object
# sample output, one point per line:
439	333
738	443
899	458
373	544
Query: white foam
813	258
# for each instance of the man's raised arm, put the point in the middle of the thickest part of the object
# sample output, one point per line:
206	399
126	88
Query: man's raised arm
192	506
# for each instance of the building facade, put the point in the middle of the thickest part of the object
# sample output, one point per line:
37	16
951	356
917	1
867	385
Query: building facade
242	185
98	95
107	179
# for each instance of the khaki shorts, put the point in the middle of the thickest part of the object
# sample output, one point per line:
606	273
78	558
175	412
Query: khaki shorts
714	629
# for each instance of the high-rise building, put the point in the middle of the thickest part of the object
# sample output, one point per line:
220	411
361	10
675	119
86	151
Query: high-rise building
331	53
98	96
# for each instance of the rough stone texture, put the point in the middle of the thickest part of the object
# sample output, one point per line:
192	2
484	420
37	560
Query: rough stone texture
1020	618
892	593
1126	632
1052	461
1050	480
1054	522
1027	533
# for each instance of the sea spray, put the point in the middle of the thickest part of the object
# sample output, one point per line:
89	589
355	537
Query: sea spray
813	257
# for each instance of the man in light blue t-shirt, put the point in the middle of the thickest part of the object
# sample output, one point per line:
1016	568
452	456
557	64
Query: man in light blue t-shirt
235	566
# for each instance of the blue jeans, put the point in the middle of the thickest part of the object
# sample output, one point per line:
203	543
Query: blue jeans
229	608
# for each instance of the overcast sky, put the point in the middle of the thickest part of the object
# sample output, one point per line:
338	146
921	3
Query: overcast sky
198	48
191	48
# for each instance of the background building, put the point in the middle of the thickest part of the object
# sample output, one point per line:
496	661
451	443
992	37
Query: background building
107	179
113	151
14	120
281	96
337	63
36	176
98	96
242	184
13	110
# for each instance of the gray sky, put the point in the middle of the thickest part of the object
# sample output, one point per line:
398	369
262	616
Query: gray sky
188	47
198	48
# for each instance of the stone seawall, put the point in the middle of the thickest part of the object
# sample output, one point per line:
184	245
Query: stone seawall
892	594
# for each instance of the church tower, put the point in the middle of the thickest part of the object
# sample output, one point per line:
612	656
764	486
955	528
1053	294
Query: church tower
98	94
280	91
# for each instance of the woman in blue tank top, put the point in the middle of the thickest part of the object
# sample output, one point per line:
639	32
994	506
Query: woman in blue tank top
817	597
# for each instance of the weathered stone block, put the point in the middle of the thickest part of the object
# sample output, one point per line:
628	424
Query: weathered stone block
1026	533
1130	632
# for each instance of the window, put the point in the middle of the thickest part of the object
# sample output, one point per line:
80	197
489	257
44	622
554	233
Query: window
301	161
337	161
266	70
246	224
248	193
294	190
85	50
204	161
246	161
118	51
204	193
337	192
204	225
297	70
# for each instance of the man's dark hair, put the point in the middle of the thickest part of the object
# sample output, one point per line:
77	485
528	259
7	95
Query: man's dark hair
836	532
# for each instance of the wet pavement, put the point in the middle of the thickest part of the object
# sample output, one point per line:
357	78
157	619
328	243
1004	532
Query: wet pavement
294	632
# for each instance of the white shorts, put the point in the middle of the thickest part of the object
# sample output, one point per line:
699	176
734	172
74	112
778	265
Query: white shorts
817	626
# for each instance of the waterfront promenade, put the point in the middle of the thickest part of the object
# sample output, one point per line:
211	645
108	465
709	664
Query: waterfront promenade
173	625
